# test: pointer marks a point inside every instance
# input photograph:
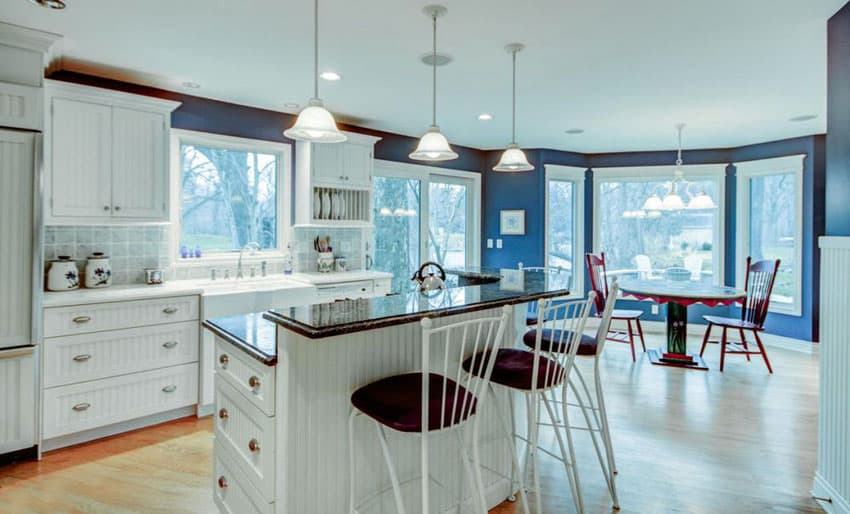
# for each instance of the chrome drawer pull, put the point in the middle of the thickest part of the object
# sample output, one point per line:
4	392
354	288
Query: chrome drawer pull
82	358
169	344
254	382
222	414
169	310
223	360
169	388
81	406
222	482
81	319
253	445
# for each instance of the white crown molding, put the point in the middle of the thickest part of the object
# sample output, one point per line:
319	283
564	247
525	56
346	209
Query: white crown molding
116	98
665	171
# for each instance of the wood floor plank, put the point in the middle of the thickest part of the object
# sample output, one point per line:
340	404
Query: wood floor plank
695	442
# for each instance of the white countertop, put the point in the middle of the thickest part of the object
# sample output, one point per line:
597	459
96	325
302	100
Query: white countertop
338	277
204	287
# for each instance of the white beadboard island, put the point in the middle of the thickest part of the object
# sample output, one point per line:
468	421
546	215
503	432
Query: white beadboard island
284	379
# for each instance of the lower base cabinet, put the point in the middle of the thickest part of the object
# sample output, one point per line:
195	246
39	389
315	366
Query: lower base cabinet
233	493
17	400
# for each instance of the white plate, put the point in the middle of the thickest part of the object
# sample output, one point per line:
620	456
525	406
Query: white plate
341	209
317	205
326	205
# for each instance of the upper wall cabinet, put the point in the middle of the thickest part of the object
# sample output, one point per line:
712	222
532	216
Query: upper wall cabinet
334	181
106	155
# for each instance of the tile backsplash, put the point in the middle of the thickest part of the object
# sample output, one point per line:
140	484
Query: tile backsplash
131	248
346	242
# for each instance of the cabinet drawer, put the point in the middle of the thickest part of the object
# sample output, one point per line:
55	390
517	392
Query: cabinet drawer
82	319
233	495
249	435
72	359
79	407
253	379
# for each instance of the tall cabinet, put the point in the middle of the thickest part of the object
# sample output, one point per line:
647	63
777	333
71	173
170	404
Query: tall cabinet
106	155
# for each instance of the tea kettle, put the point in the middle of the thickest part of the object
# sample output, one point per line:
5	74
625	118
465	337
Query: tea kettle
430	282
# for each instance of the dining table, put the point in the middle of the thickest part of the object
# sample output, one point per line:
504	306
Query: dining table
678	295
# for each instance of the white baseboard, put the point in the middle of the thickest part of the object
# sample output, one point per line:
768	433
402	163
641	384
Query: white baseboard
205	410
696	330
828	498
116	428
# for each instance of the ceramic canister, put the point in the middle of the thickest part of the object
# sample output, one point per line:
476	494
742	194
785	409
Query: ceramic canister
98	271
63	274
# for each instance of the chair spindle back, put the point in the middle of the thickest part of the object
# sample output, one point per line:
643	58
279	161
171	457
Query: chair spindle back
759	285
598	279
565	320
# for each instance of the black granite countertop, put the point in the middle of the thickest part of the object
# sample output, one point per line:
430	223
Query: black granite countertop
343	317
252	333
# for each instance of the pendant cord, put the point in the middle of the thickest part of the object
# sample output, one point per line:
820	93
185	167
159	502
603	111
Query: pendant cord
434	75
513	104
316	49
679	154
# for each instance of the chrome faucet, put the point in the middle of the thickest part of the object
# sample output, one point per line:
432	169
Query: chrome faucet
254	247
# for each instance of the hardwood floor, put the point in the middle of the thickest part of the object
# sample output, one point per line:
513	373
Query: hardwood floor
685	441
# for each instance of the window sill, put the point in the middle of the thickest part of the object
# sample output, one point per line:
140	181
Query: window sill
227	258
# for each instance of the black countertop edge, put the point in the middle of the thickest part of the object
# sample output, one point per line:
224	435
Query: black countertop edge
253	351
361	326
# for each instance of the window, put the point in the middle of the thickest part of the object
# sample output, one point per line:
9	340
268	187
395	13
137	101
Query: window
231	192
565	221
423	213
644	244
770	224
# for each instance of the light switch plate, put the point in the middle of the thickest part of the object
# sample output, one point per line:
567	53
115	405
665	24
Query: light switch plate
653	309
489	243
498	243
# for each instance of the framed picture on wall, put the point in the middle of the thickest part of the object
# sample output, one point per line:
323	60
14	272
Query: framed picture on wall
512	222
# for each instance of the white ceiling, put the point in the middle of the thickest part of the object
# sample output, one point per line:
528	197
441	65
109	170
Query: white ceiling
625	72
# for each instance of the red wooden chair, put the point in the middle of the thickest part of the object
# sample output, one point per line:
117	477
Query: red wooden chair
758	284
599	285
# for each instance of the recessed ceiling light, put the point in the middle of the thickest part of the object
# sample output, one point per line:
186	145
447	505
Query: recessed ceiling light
50	4
330	75
291	105
804	117
191	85
485	117
575	131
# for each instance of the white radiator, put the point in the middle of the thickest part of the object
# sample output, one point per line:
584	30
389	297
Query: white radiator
832	478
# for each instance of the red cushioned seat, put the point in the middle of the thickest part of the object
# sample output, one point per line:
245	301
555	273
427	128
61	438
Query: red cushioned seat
731	322
531	318
587	344
515	368
396	402
626	314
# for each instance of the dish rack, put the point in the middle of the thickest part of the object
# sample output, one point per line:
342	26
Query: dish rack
340	205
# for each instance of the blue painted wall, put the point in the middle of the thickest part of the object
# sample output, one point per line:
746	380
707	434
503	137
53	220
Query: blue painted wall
838	124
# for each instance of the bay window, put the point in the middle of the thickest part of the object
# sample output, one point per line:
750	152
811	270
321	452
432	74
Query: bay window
770	224
644	244
565	221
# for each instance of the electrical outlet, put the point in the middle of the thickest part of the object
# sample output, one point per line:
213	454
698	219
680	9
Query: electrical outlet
489	243
498	243
653	309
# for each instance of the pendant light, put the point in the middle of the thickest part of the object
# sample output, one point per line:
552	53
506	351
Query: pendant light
513	158
672	201
315	123
434	146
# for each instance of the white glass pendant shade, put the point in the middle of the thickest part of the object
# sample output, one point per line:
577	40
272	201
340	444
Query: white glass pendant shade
702	201
433	147
513	159
672	202
316	124
653	203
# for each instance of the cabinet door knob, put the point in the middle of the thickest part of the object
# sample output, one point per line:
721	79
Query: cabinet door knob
223	360
169	310
222	482
169	388
169	344
222	414
254	382
81	406
342	177
253	445
81	319
82	357
117	207
105	207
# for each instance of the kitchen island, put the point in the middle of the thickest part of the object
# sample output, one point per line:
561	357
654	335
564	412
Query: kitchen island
284	379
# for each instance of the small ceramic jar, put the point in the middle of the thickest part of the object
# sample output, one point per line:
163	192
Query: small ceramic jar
326	262
63	274
98	271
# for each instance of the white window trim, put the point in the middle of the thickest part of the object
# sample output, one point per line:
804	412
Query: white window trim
575	175
744	171
421	172
284	195
655	173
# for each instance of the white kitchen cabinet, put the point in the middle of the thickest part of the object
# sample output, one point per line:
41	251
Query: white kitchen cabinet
20	106
17	398
326	164
106	155
357	164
